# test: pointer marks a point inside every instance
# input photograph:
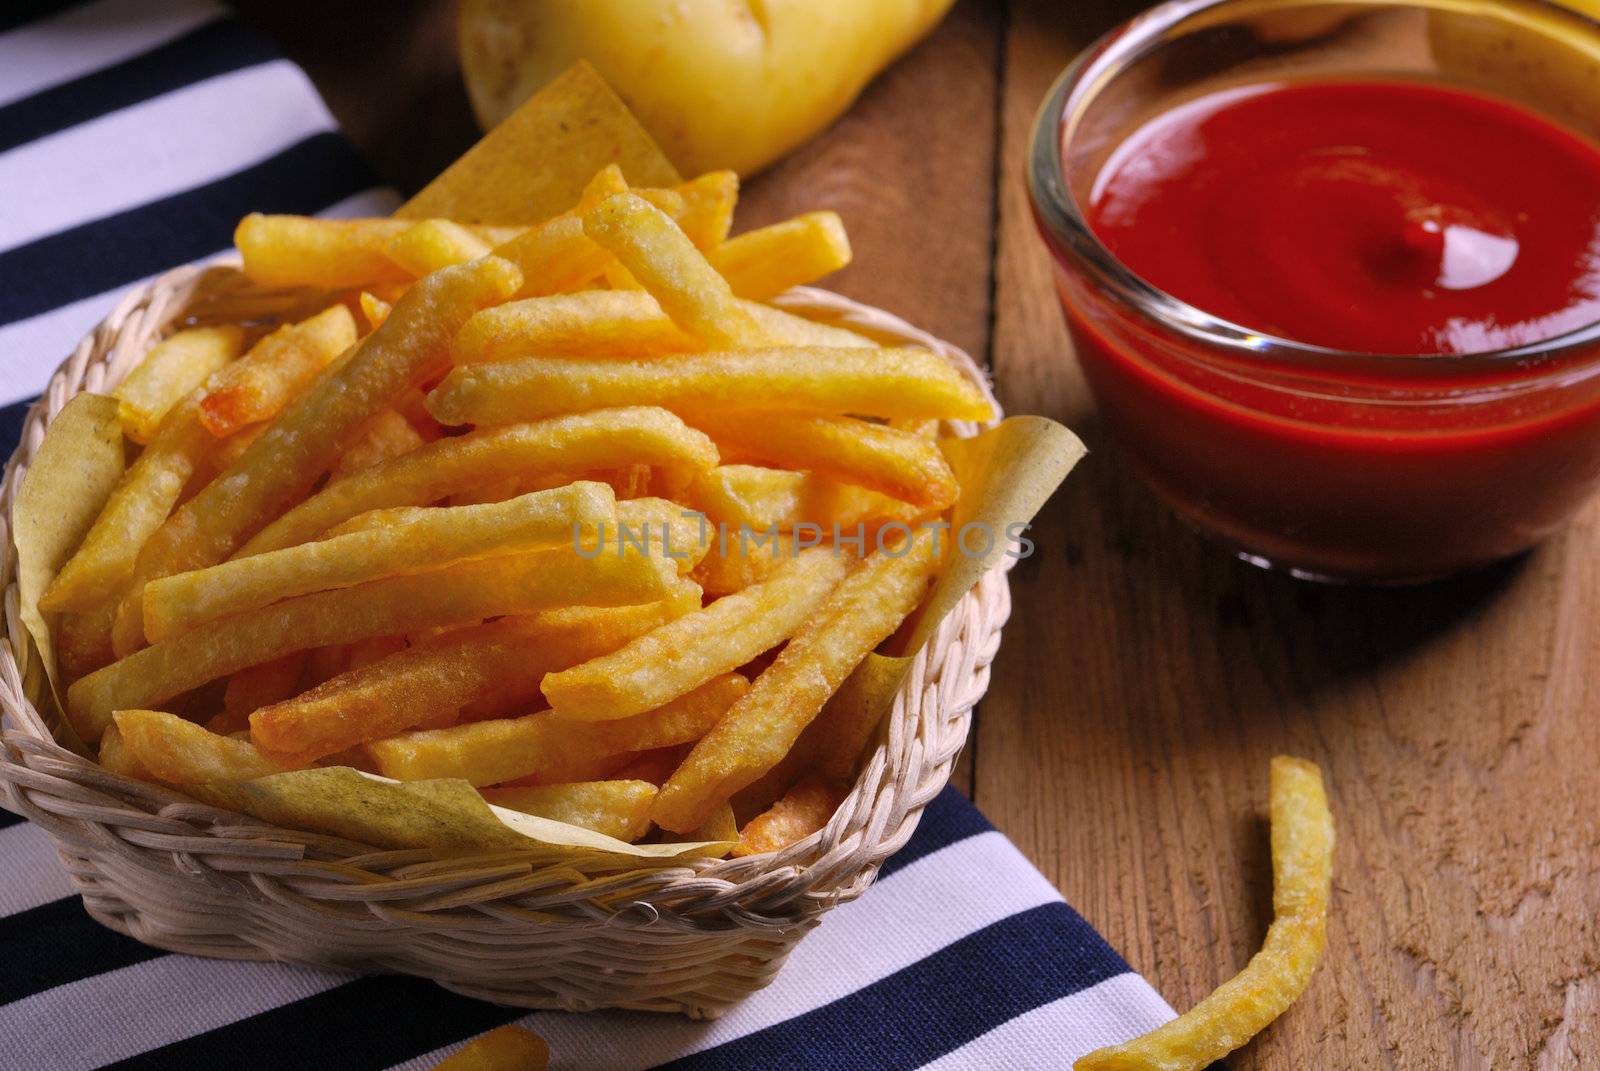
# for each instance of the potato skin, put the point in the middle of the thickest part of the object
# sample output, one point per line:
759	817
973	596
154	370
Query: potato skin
718	83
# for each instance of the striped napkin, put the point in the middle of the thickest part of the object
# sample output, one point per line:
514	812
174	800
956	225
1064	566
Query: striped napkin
133	135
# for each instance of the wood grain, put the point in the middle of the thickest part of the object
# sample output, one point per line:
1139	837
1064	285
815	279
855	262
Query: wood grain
1146	677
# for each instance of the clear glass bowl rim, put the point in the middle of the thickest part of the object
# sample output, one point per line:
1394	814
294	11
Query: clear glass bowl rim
1058	215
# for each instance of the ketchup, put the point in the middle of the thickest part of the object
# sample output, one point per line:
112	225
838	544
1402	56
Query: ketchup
1372	218
1382	217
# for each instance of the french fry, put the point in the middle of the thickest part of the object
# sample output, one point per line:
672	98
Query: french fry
651	246
683	654
760	498
732	565
657	526
500	661
617	808
720	825
180	752
879	458
654	766
862	611
761	263
115	757
807	380
184	601
433	244
335	254
615	323
802	811
708	204
379	518
388	435
261	685
506	1048
508	749
455	594
557	255
595	440
308	437
1240	1008
375	309
232	448
277	369
169	372
83	640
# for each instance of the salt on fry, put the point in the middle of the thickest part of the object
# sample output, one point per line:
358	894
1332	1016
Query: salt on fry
683	654
802	811
455	594
308	437
184	601
500	661
1243	1006
532	746
862	611
814	380
180	752
767	261
599	439
275	371
651	246
618	808
173	368
883	459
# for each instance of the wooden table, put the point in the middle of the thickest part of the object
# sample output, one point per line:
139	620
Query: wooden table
1146	677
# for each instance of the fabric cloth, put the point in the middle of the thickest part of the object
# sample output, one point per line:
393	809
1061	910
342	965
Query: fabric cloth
133	135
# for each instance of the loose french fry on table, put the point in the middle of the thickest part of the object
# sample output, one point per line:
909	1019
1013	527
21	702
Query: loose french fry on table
463	592
174	366
861	612
685	653
544	747
600	439
305	441
183	601
650	245
507	1048
1243	1006
618	808
808	380
502	660
765	262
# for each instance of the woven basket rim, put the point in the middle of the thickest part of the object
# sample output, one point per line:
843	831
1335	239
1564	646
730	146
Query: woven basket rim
69	794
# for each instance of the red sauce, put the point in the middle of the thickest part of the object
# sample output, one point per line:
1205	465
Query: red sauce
1369	217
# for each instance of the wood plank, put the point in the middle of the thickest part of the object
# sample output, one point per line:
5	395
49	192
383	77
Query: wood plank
1147	679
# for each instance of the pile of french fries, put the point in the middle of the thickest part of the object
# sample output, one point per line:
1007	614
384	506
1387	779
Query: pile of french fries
488	515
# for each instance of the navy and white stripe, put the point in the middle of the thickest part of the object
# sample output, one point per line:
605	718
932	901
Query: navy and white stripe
133	134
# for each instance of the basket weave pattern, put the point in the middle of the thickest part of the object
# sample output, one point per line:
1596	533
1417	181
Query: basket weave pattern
695	938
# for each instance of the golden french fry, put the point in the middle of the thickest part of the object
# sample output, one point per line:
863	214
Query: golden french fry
375	309
595	440
708	204
335	254
184	601
732	564
455	594
802	811
388	436
507	1048
615	323
232	448
761	263
651	246
878	458
114	757
433	244
382	518
1240	1008
275	371
760	498
557	255
805	380
655	526
720	825
174	367
683	654
508	749
863	610
502	661
83	640
257	686
654	766
617	808
180	752
305	441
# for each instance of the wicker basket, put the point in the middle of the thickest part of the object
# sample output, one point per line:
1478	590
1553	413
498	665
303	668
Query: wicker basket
694	938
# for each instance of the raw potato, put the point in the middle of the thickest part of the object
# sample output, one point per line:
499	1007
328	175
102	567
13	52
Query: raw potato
718	83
